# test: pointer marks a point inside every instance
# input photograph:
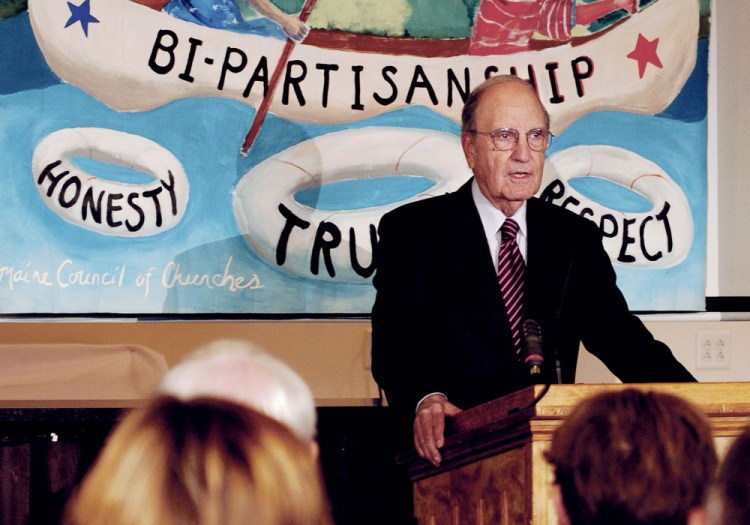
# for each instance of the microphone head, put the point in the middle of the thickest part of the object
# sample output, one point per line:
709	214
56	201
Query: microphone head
532	346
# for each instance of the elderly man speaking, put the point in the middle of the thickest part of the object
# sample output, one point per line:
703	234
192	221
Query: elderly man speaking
459	274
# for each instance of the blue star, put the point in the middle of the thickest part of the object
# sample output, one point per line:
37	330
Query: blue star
81	13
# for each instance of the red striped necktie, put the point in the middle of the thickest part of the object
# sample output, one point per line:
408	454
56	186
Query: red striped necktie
510	275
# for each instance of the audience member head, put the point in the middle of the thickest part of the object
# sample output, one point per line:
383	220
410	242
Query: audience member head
201	462
729	499
239	371
632	458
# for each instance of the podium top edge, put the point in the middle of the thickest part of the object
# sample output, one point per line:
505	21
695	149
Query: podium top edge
702	394
714	399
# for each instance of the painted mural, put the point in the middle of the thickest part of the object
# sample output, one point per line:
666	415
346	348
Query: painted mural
184	157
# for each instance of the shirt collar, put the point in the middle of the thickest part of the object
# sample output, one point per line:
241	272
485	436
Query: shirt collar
491	217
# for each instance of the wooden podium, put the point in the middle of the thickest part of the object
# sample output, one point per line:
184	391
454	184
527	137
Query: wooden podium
493	470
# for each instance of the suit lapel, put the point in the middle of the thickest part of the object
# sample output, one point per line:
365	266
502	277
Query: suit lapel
548	260
470	243
474	279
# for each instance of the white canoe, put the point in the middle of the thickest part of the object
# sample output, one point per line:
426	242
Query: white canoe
135	59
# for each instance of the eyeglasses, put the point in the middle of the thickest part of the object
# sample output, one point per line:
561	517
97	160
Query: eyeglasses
505	139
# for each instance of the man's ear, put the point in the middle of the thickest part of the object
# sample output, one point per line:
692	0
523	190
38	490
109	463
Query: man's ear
562	513
467	143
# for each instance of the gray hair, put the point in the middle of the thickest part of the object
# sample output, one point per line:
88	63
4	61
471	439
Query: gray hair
244	373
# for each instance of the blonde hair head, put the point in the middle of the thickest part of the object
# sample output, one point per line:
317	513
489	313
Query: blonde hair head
201	462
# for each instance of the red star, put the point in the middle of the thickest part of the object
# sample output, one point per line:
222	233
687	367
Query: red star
645	53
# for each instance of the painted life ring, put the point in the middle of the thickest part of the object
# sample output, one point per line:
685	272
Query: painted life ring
658	238
106	206
335	245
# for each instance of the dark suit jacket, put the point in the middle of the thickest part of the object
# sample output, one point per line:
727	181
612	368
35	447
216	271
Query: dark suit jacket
439	324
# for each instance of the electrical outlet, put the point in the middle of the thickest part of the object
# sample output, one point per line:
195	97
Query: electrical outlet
713	350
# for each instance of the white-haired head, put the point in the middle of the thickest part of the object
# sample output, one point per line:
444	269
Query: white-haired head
241	372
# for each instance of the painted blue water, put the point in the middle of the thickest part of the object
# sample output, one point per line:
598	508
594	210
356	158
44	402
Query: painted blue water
611	195
223	14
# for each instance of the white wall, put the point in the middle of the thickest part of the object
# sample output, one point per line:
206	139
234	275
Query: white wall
731	20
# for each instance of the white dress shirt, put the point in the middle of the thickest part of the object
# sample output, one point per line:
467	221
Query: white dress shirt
493	219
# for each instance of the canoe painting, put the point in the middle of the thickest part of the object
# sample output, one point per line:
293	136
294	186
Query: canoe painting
358	122
136	58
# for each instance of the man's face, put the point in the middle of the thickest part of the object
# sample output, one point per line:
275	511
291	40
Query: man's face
506	178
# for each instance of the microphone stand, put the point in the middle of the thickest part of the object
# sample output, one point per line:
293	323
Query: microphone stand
537	398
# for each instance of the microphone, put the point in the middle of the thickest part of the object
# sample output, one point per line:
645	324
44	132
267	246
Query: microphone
532	354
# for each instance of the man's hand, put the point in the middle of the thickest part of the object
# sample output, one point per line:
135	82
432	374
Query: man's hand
429	426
